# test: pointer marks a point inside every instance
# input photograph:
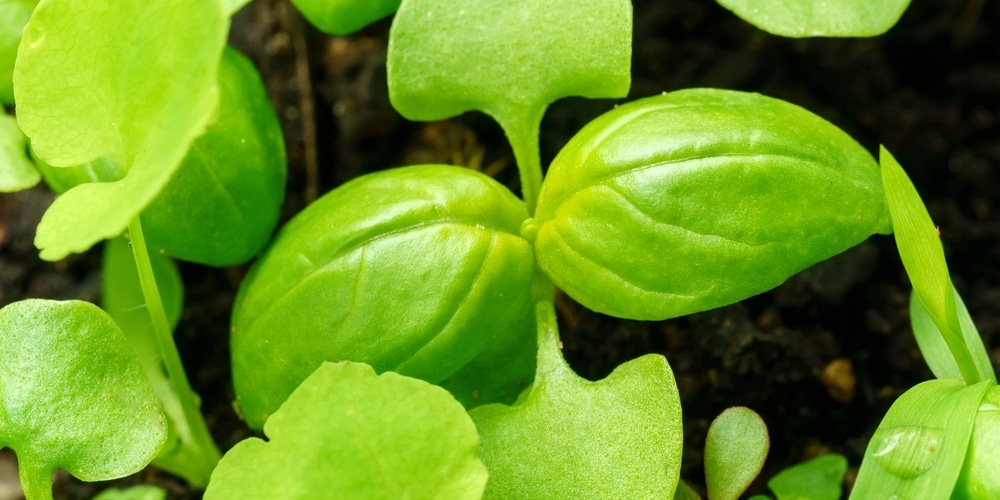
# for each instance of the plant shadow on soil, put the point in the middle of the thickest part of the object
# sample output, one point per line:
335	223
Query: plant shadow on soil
821	358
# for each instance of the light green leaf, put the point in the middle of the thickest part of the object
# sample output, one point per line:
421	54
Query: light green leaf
735	449
802	18
923	257
348	433
125	83
567	437
14	15
918	449
222	205
816	479
934	348
341	17
232	6
414	270
17	172
979	478
74	396
699	198
139	492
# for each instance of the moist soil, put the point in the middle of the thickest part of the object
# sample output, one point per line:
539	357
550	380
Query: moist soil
821	357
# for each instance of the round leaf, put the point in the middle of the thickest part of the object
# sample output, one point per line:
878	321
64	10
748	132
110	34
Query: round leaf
115	79
222	205
735	449
340	17
349	433
73	395
700	198
412	270
802	18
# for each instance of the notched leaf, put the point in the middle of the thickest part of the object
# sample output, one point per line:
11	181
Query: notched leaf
700	198
74	396
413	270
349	433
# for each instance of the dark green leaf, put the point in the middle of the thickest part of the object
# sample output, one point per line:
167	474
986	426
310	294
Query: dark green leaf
347	433
412	270
340	17
802	18
735	449
685	492
816	479
74	396
699	198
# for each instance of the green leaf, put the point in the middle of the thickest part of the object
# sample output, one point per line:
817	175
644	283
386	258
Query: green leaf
412	270
567	437
699	198
923	257
74	396
934	348
918	449
14	15
348	433
222	205
17	172
341	17
232	6
803	18
816	479
979	478
62	179
508	59
125	83
685	492
735	449
139	492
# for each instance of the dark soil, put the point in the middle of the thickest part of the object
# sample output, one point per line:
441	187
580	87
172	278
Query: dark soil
821	358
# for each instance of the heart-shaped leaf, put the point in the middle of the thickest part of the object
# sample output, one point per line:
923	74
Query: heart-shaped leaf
735	449
413	270
17	172
73	395
567	437
699	198
340	17
119	80
349	433
802	18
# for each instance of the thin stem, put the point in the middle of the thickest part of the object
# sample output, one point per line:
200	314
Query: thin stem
550	359
522	132
194	422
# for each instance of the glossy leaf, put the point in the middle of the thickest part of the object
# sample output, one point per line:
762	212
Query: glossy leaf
935	350
918	449
567	437
412	270
340	17
979	478
700	198
803	18
17	172
80	97
816	479
348	433
14	15
74	396
222	205
735	449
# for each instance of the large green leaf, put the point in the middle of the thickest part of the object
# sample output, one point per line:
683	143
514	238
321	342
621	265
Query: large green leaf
115	79
340	17
979	478
802	18
567	437
222	205
935	350
699	198
349	433
413	270
918	449
17	172
73	395
14	15
735	449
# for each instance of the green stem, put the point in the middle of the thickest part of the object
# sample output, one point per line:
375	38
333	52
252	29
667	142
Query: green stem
953	337
36	483
192	430
550	359
522	132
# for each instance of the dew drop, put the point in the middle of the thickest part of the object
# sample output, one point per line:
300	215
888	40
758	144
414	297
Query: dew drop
907	451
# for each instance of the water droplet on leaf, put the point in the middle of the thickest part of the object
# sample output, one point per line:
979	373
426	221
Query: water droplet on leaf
907	451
